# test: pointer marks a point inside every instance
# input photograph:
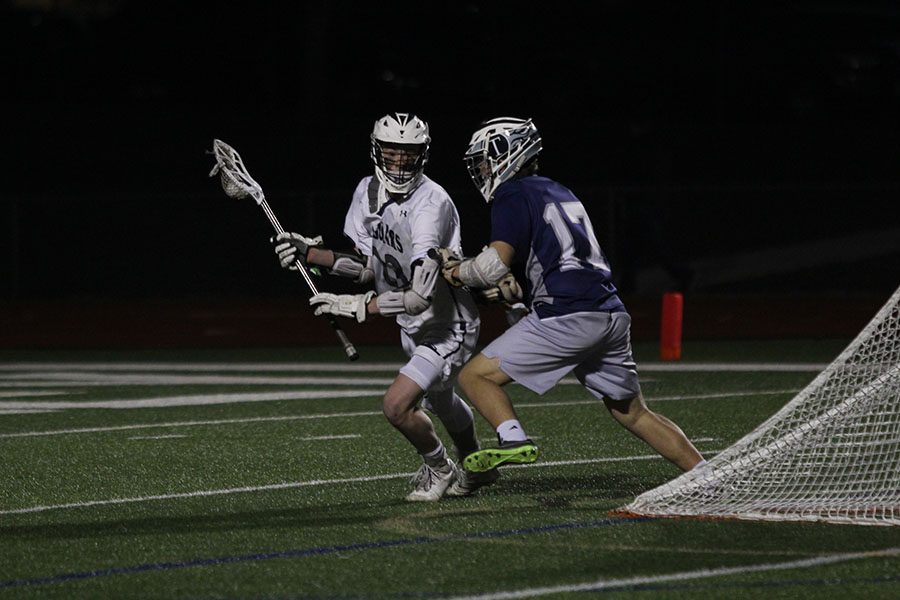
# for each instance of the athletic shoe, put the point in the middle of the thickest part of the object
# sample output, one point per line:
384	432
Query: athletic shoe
430	483
468	482
509	452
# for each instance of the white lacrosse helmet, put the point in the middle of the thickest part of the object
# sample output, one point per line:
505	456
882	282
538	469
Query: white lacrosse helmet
498	150
400	144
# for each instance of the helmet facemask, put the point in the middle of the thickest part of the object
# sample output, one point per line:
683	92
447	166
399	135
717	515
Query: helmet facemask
399	166
400	143
499	150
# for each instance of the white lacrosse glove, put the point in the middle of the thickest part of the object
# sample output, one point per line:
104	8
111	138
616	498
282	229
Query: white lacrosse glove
448	261
352	306
515	313
507	291
291	247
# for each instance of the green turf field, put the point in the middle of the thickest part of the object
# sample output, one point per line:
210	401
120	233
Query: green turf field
273	474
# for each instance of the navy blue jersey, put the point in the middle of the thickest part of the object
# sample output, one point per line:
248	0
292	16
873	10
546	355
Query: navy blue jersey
551	234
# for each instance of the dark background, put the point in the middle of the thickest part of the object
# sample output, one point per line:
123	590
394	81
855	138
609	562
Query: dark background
720	147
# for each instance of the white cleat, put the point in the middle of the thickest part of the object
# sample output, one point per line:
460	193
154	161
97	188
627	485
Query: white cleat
467	482
430	483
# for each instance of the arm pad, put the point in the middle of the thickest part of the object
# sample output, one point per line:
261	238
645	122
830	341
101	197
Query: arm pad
484	271
354	266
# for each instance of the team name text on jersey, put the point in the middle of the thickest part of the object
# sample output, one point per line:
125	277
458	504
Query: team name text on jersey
384	234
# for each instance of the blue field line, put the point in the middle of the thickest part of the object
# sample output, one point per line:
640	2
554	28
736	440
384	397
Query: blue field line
315	551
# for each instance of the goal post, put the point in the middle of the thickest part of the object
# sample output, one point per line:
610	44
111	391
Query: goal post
831	454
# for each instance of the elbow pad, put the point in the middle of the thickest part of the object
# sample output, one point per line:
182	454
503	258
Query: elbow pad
414	304
401	302
417	299
356	267
484	271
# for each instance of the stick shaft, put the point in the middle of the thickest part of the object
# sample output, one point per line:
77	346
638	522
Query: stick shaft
279	229
349	349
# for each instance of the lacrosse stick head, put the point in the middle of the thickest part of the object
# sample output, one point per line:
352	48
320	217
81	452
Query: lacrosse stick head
236	181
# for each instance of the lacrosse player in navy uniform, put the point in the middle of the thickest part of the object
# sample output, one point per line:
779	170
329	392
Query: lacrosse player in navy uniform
396	216
577	321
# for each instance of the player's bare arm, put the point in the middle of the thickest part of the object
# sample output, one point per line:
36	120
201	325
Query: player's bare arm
291	247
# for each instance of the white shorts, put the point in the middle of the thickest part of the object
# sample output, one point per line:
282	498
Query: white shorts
438	353
537	353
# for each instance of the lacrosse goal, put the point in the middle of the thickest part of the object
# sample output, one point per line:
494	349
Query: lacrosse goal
831	454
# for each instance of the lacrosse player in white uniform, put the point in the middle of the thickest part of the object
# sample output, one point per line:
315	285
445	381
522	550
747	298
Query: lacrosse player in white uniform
396	217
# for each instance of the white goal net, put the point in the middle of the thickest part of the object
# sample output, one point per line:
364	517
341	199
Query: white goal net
831	454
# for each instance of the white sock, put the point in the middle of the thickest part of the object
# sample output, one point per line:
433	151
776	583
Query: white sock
511	431
699	464
437	457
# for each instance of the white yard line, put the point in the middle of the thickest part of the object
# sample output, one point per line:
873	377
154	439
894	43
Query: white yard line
734	367
720	396
14	406
305	438
368	367
204	367
136	380
106	379
30	375
21	393
227	398
190	424
610	584
205	493
297	484
193	400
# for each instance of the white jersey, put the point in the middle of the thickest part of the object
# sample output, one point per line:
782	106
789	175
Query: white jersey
398	234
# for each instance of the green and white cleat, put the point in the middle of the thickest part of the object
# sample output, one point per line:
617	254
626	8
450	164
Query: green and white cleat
510	452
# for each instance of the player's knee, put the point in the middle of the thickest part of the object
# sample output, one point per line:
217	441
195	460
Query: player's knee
466	372
467	377
480	369
627	412
395	408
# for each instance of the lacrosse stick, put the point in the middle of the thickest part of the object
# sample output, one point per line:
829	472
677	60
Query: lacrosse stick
237	183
